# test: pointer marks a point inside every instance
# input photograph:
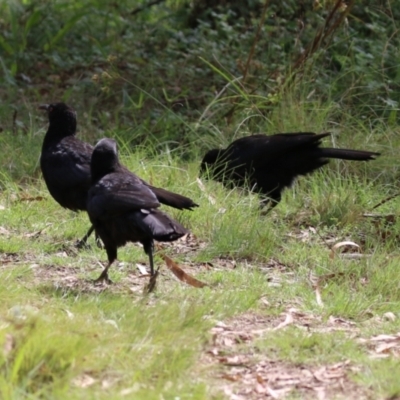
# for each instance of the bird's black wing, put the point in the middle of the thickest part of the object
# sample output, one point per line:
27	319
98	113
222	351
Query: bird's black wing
118	193
68	162
166	197
257	150
66	170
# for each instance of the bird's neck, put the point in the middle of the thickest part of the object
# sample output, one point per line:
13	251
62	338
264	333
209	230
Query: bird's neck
98	171
57	133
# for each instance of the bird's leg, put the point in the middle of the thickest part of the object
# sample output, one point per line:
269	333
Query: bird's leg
112	256
152	283
82	243
151	259
98	241
148	248
103	278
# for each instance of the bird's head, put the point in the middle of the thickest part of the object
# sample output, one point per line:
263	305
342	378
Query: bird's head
209	161
104	158
61	116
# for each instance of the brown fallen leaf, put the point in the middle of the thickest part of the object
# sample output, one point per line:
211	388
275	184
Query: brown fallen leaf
233	361
36	198
385	338
181	274
232	378
33	234
385	347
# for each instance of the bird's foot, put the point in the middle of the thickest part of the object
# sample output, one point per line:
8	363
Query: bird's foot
152	283
81	244
103	279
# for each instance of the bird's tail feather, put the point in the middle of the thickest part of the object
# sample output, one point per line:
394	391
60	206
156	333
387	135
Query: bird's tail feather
347	154
158	225
174	200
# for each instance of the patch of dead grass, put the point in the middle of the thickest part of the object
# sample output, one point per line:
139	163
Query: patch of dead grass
245	373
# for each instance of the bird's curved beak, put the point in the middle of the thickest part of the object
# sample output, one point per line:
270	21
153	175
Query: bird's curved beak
44	107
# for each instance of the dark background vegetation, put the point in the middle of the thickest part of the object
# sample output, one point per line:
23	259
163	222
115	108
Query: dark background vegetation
184	76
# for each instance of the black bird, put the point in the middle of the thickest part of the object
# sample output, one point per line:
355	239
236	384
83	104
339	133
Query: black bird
269	164
65	163
122	208
65	160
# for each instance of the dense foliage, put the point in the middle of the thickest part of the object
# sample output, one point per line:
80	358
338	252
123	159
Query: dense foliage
177	71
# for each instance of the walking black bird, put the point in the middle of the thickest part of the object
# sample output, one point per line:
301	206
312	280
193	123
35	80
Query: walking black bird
65	163
122	208
269	164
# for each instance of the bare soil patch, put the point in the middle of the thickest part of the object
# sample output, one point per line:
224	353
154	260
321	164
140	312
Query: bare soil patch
245	373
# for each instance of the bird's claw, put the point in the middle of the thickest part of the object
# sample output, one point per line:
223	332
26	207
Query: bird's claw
103	279
152	283
81	244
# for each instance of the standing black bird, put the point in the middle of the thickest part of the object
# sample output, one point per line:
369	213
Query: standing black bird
122	208
65	163
268	164
65	160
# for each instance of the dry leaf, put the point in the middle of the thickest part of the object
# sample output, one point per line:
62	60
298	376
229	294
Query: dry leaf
389	316
233	361
84	381
142	269
348	246
69	313
275	394
33	234
318	296
385	338
384	347
37	198
181	274
135	388
288	320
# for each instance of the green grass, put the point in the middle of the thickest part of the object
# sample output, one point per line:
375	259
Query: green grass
167	94
122	343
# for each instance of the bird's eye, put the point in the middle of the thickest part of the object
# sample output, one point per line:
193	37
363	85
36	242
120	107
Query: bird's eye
50	109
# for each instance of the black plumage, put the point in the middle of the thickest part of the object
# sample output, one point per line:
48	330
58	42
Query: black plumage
65	163
122	208
269	164
65	160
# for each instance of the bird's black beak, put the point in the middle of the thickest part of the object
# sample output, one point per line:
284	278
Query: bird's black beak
44	107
